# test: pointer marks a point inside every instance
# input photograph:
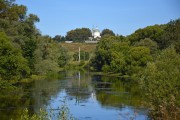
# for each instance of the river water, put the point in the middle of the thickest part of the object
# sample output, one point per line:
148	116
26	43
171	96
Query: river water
88	97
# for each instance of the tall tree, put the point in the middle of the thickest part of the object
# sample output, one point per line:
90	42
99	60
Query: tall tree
172	35
11	11
20	27
49	56
107	32
78	35
12	64
153	32
57	38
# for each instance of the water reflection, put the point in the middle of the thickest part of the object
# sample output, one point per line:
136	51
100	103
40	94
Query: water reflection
115	92
88	96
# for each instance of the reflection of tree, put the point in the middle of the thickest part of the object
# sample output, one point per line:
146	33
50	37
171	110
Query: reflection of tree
30	95
79	86
115	92
44	90
11	102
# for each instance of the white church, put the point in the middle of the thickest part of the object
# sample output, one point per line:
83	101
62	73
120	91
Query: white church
96	36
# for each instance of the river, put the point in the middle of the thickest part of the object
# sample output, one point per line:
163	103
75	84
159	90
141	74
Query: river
88	97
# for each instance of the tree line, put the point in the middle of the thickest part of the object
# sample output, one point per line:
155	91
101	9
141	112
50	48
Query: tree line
23	50
80	35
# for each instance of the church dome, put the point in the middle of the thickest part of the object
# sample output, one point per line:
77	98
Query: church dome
96	33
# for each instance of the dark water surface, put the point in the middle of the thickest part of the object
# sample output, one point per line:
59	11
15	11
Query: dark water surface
89	97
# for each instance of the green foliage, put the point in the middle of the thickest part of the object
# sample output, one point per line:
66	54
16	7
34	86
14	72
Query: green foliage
76	56
40	52
28	51
83	55
153	32
163	35
137	59
63	114
57	38
11	11
161	83
63	57
78	35
103	52
147	42
46	66
118	63
138	56
172	35
63	39
41	116
82	63
53	76
107	32
6	86
106	68
20	28
114	54
49	56
12	63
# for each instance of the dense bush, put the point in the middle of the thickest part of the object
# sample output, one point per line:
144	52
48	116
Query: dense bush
161	81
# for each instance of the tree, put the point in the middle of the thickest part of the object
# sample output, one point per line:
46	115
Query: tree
63	39
20	28
172	35
147	42
57	38
11	11
153	32
102	53
12	63
118	63
114	54
63	57
107	32
49	56
108	53
139	56
78	35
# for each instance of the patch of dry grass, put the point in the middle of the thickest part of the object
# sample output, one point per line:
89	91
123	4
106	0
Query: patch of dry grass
74	47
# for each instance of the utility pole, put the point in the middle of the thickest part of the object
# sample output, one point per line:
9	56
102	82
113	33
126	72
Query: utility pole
79	54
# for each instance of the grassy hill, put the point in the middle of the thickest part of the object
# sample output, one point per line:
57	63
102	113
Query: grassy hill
74	47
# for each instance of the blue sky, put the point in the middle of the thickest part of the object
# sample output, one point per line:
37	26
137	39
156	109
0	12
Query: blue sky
122	16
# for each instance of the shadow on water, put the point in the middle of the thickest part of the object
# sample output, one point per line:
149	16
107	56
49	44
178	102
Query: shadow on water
88	97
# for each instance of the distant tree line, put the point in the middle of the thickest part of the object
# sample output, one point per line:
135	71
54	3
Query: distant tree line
80	35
